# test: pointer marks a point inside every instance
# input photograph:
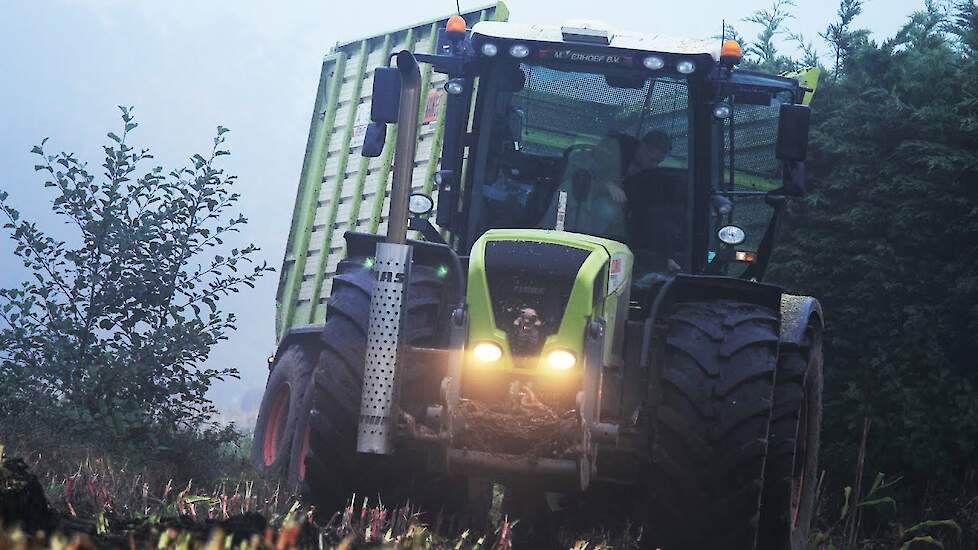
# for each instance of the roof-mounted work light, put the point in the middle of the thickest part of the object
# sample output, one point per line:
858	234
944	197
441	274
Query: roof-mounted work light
730	53
588	32
455	29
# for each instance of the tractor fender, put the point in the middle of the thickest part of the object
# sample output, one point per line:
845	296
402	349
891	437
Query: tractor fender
308	335
436	255
797	312
686	288
699	288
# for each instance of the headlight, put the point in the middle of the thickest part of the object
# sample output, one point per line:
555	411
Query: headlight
561	359
420	204
489	49
731	235
444	177
685	66
455	86
487	352
519	51
721	110
653	62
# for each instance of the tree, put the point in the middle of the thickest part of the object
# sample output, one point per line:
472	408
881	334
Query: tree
887	240
841	37
763	50
110	331
965	26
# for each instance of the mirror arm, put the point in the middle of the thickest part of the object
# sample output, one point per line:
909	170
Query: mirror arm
427	230
792	181
765	249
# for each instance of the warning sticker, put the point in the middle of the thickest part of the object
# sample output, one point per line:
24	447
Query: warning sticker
618	271
432	106
360	124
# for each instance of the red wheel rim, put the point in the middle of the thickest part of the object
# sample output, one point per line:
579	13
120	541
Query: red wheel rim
275	428
798	473
303	450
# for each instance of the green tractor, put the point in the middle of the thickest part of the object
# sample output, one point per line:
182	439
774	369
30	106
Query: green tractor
582	313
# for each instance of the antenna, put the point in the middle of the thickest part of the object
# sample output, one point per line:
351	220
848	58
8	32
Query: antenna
458	6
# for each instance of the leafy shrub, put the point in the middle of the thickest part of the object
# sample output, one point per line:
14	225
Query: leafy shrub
107	337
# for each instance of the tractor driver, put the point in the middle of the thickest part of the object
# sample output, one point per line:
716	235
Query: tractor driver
653	209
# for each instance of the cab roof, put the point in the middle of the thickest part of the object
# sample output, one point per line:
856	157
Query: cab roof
648	42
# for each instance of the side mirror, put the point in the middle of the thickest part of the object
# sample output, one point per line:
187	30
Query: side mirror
373	140
386	95
793	123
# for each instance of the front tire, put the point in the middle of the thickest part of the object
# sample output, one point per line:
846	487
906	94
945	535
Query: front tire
325	461
710	410
280	409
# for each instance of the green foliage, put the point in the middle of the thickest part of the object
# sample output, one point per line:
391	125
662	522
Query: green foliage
108	335
887	239
843	532
841	36
762	52
965	25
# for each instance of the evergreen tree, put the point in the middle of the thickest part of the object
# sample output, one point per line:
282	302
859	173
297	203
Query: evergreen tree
888	240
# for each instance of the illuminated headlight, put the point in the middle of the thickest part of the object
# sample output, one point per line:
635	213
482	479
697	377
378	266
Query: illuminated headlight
721	110
685	66
489	49
731	235
519	51
653	62
561	359
455	86
487	352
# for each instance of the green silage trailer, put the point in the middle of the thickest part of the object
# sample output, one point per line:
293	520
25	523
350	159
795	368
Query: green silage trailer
338	188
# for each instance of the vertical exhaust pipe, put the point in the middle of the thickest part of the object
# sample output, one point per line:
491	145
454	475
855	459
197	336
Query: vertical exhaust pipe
379	403
407	141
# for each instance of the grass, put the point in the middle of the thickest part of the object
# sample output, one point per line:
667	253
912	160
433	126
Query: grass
105	501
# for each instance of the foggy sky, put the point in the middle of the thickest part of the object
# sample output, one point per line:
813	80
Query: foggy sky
253	66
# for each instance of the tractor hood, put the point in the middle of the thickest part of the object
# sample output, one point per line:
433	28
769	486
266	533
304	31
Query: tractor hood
532	292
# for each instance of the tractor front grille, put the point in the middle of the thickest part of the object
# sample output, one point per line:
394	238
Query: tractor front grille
530	284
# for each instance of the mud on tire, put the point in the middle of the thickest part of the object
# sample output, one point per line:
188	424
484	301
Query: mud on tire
710	406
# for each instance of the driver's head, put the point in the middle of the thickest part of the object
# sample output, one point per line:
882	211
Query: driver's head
652	149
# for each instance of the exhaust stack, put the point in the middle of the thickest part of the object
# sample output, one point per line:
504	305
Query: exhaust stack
392	272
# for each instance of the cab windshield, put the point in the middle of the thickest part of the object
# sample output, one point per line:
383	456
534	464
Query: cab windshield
601	153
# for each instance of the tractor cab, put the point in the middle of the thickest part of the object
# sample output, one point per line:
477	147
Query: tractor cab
657	143
586	138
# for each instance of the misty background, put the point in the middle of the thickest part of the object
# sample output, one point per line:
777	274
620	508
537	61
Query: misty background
253	67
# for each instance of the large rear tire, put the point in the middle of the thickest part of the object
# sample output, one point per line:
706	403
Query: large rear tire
280	409
325	461
710	410
790	478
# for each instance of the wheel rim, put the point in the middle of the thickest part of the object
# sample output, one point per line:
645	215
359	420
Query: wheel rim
799	472
303	450
275	429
